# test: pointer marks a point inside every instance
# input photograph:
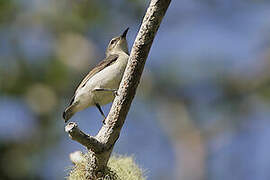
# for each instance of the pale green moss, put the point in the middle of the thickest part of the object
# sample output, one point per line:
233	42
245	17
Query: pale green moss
119	168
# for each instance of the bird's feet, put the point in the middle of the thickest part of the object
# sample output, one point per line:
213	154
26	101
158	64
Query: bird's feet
115	93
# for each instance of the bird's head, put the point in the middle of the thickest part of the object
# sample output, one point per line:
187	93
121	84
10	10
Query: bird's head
118	44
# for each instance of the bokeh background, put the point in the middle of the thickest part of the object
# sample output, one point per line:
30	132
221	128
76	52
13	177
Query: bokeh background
202	108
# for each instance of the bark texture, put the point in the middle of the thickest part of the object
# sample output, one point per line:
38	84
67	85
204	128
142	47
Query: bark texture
101	146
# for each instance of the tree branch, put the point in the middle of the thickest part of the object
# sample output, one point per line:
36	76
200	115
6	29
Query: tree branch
101	146
76	134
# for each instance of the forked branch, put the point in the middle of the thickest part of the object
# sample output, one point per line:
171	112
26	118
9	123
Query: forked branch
101	146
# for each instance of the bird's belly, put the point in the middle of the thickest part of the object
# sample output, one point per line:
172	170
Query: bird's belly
103	98
85	99
108	78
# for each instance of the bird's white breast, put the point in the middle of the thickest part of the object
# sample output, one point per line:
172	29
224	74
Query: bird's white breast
108	78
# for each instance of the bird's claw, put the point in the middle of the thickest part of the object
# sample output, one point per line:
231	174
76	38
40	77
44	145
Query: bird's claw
115	93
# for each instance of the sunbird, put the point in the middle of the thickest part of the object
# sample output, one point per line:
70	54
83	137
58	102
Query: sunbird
100	85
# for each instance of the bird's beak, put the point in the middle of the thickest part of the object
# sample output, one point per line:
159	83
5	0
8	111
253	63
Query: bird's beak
124	33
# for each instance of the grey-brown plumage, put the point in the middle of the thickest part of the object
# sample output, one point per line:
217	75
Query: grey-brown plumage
100	84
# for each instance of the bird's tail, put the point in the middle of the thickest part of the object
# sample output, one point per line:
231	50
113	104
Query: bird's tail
68	113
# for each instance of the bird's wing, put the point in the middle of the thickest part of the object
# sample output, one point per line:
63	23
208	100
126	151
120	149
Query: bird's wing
103	64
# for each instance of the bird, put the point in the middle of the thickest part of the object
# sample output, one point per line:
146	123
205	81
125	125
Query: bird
100	85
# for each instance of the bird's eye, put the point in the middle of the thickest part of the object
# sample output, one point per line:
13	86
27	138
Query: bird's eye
113	41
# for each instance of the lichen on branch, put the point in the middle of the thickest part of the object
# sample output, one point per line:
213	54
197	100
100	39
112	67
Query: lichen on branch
119	167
